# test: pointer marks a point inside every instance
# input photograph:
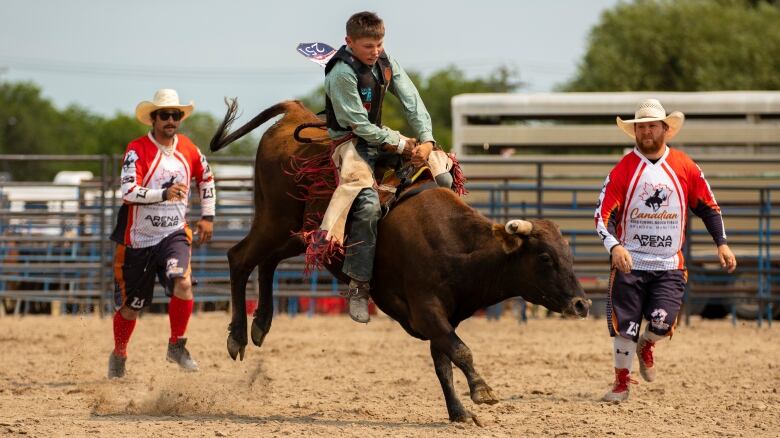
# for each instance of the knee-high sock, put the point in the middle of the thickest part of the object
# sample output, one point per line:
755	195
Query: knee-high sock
123	329
179	312
650	336
624	350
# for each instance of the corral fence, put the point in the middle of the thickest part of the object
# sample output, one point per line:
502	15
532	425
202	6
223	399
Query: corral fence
54	247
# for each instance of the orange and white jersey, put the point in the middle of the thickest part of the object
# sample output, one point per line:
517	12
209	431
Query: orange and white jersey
148	168
644	207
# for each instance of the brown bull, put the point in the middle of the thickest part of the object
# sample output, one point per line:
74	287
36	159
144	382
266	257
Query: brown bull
437	260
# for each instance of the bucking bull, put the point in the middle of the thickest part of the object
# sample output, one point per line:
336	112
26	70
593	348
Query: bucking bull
437	260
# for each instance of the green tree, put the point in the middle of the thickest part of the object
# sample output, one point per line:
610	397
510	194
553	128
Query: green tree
115	133
684	45
26	120
436	92
30	124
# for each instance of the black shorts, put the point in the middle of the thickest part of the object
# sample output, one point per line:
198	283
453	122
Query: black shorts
136	268
654	295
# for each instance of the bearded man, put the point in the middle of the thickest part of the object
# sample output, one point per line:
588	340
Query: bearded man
641	216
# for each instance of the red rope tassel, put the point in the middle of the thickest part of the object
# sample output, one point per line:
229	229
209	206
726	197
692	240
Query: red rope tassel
317	176
458	178
319	250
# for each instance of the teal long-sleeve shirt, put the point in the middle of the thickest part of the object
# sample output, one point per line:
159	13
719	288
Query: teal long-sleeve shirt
341	87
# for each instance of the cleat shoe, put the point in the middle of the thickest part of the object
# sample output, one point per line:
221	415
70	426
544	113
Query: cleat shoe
178	353
620	388
644	351
358	301
116	366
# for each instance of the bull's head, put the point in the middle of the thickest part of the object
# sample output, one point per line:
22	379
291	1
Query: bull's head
542	265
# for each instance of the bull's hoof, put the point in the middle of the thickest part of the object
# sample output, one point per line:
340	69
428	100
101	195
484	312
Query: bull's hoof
258	333
465	417
482	394
235	348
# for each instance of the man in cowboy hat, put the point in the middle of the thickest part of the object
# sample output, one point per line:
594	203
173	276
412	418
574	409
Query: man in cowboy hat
152	235
640	217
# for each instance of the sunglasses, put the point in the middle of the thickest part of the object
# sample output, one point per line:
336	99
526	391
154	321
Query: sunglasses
165	115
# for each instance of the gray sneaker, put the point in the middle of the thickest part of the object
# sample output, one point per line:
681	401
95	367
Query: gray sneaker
177	353
358	301
116	366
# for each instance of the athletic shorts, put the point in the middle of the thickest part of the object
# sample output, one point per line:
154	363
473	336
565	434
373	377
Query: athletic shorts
136	268
654	295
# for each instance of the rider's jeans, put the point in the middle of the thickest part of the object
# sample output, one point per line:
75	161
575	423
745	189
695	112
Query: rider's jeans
361	242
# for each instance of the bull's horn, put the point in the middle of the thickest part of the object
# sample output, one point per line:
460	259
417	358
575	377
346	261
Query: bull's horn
518	226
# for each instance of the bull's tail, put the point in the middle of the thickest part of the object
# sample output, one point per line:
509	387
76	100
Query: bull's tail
222	139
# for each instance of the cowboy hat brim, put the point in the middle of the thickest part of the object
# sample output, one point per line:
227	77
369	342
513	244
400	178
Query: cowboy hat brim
144	110
674	120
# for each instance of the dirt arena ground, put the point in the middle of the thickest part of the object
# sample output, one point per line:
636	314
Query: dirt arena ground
328	376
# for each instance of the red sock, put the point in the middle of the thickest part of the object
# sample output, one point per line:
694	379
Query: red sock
179	312
123	328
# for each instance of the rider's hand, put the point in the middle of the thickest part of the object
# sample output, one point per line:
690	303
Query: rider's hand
621	259
420	154
409	146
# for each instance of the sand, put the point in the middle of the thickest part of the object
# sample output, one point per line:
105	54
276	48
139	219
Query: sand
328	376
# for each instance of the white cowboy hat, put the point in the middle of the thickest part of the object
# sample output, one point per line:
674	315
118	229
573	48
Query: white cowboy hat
163	98
650	110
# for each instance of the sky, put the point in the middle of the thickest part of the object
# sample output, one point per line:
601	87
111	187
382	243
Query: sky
108	55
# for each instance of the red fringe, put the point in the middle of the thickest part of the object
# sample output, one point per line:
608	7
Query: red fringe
458	178
319	251
316	176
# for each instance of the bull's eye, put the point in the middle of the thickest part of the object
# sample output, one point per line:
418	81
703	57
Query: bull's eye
545	258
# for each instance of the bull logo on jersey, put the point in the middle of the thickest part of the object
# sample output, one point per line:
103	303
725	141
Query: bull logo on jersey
130	158
167	178
656	196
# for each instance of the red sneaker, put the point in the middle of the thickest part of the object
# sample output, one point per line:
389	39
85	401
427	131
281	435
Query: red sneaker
620	388
644	351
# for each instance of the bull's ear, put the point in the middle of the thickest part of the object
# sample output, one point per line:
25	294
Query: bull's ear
511	242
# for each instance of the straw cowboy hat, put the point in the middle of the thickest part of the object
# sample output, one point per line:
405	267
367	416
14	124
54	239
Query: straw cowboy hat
650	110
163	98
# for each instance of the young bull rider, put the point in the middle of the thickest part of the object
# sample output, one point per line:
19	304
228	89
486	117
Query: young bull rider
152	235
356	80
641	216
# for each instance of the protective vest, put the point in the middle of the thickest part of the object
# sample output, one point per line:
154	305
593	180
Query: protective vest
372	91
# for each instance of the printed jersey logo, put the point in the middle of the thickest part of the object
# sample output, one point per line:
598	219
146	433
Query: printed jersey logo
653	241
168	178
656	196
163	221
130	160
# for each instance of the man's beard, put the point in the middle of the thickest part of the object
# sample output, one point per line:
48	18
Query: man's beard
164	132
653	148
